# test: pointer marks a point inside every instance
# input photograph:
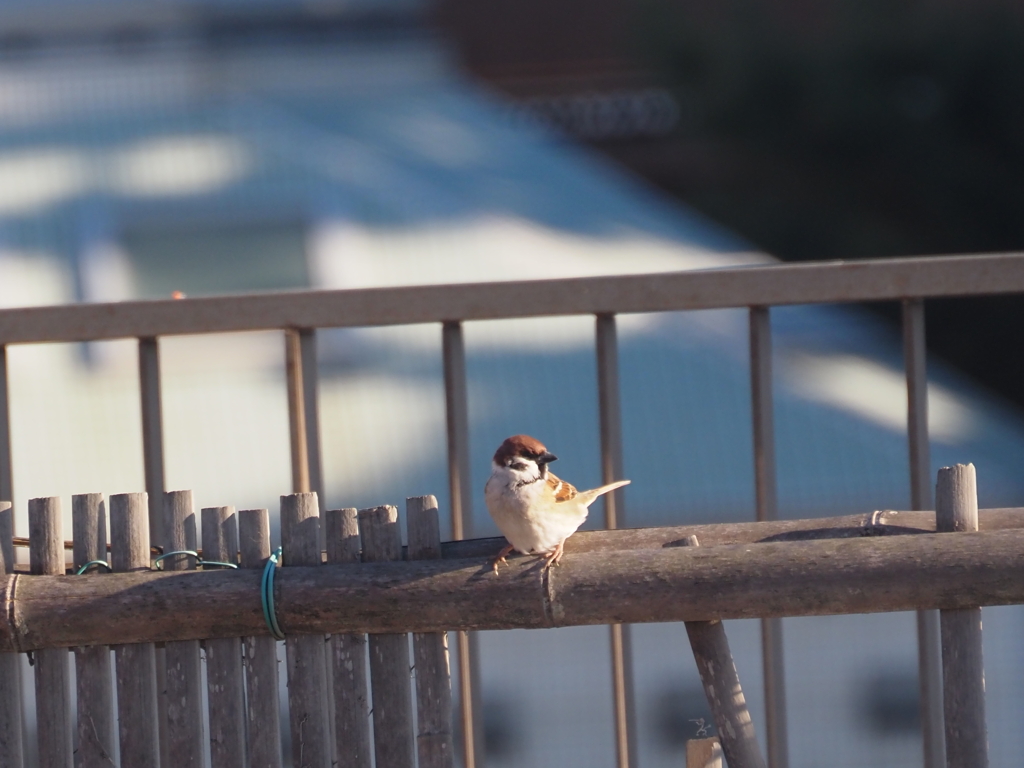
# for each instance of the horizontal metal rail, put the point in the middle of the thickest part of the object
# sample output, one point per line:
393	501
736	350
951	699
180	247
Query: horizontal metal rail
770	285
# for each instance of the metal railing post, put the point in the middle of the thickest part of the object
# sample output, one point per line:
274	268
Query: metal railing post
765	494
929	658
610	413
460	489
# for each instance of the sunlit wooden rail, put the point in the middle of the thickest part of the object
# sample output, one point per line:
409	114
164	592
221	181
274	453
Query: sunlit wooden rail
368	590
299	314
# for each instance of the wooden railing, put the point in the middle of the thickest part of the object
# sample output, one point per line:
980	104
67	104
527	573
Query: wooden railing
299	314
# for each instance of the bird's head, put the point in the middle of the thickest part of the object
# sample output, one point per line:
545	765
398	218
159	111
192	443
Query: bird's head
524	457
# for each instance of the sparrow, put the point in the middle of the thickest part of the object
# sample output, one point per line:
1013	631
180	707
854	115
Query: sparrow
535	510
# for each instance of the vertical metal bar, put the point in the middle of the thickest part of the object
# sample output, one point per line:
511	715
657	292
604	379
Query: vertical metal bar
296	411
311	413
929	655
765	492
11	737
152	433
6	459
153	466
460	489
610	416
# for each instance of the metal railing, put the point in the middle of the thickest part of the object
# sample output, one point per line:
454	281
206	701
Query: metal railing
299	314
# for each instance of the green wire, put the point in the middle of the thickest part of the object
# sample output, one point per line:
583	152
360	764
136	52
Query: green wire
267	593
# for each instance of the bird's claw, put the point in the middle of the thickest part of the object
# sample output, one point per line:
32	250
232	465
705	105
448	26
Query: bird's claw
500	559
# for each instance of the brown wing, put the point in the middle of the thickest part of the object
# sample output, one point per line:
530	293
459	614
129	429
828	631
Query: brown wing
563	490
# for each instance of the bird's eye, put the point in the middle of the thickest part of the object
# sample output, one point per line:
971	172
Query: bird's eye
518	466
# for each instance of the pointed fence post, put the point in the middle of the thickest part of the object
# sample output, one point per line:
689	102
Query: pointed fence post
183	680
963	674
11	745
53	670
307	657
262	704
224	688
348	651
135	665
94	674
434	745
389	652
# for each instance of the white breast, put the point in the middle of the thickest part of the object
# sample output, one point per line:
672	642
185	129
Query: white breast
530	524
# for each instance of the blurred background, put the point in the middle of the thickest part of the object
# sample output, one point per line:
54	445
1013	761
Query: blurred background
218	146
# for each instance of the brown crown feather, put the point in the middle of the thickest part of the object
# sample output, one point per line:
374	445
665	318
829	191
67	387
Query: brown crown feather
519	445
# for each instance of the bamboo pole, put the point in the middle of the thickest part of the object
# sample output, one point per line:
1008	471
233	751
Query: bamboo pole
799	578
307	659
348	651
434	745
963	674
11	744
94	676
262	703
224	682
52	668
183	682
389	653
722	687
135	664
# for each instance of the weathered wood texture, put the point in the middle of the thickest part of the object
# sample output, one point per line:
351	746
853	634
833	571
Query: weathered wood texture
93	673
11	745
138	732
963	674
704	753
183	683
52	668
307	660
351	711
722	687
434	745
807	283
224	682
262	705
882	523
799	578
389	653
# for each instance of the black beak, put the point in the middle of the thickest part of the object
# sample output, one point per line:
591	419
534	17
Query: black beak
546	458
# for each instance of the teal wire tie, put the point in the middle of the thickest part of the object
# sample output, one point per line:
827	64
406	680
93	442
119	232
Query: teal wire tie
191	553
90	564
267	593
161	558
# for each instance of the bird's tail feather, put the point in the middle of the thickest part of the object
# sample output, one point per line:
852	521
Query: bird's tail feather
589	497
